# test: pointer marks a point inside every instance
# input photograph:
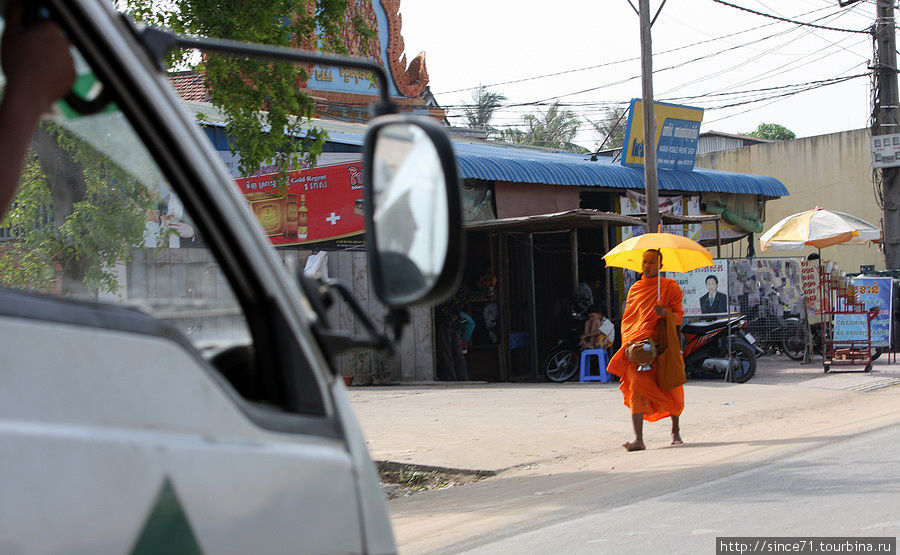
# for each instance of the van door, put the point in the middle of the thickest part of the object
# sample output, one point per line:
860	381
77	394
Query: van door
148	402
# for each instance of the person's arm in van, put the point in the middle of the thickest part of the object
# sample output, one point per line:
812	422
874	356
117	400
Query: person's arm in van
38	69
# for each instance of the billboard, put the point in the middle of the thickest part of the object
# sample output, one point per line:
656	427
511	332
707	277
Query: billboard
320	204
677	133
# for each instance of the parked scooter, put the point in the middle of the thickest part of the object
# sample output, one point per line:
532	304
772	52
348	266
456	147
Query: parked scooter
562	360
720	348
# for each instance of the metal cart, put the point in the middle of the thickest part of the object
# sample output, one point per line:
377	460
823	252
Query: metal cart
837	300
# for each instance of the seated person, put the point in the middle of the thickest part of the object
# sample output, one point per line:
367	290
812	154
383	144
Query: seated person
599	331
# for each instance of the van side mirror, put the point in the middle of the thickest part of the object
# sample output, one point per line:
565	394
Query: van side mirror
413	215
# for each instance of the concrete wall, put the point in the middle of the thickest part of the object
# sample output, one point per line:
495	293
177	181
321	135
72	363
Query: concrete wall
832	171
187	288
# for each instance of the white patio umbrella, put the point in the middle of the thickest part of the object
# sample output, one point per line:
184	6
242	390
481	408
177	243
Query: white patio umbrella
818	228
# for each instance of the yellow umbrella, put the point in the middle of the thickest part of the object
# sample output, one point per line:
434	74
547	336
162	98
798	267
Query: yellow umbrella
818	228
680	254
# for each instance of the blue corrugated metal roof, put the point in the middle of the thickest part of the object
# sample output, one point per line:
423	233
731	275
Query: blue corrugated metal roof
497	163
523	165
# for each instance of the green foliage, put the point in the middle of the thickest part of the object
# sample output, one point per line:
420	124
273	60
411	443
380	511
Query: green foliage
772	131
481	111
93	232
555	128
264	106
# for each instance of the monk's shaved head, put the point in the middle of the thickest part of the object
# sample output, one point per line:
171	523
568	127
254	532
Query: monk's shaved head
651	263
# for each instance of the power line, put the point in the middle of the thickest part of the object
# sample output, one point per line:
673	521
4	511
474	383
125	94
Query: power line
759	76
794	21
605	64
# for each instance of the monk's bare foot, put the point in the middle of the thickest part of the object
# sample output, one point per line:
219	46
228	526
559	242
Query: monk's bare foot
676	439
634	445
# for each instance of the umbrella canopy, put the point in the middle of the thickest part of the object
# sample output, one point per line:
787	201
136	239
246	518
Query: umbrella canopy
680	254
818	228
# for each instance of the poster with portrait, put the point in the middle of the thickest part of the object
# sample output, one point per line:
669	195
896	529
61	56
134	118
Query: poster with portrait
705	290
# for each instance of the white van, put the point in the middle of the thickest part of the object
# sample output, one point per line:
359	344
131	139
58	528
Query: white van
194	408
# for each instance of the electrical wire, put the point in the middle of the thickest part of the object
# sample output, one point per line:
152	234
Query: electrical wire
605	64
794	21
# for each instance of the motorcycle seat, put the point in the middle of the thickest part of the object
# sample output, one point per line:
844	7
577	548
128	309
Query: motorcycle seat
702	328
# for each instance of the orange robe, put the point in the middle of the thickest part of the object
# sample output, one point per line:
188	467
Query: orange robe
641	392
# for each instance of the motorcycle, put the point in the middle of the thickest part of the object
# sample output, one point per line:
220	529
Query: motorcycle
773	338
721	348
562	360
706	350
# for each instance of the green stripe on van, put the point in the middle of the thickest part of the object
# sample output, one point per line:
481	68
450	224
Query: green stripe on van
166	529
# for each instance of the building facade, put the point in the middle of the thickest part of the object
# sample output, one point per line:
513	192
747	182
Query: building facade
833	171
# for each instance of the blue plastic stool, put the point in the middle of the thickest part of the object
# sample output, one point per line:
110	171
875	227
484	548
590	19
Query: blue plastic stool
602	360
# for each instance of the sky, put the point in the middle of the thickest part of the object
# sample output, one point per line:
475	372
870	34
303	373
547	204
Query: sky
706	54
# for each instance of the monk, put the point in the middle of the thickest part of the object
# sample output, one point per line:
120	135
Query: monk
642	312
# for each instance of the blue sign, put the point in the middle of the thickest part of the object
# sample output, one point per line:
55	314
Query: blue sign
872	292
678	144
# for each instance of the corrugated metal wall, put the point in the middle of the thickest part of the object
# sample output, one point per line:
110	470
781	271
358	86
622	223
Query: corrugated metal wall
713	143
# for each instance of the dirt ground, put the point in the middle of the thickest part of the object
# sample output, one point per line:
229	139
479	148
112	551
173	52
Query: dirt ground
557	446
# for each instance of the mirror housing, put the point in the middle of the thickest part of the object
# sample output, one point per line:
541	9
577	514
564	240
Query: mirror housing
413	211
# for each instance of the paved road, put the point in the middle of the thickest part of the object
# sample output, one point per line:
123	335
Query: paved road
849	487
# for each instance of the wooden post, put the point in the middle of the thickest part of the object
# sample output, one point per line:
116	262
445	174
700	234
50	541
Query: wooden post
573	246
609	310
532	310
718	240
650	176
503	299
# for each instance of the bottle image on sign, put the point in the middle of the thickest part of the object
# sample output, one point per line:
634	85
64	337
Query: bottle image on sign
290	216
302	218
269	211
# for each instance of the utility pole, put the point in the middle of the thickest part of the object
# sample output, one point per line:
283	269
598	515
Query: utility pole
650	176
886	120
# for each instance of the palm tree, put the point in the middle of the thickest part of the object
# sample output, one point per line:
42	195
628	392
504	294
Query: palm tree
611	128
481	111
555	128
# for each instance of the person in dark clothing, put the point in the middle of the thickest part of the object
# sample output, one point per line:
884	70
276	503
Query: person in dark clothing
713	302
451	362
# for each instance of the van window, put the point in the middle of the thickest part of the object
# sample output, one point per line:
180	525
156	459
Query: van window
95	219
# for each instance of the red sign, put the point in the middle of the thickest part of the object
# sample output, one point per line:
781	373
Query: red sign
320	204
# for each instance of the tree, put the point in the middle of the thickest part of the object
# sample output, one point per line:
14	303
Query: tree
772	131
611	128
264	104
481	111
555	128
76	213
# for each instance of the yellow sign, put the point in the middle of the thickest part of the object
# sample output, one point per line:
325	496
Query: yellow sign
677	133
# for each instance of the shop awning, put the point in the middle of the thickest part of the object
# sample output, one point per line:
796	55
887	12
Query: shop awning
500	163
